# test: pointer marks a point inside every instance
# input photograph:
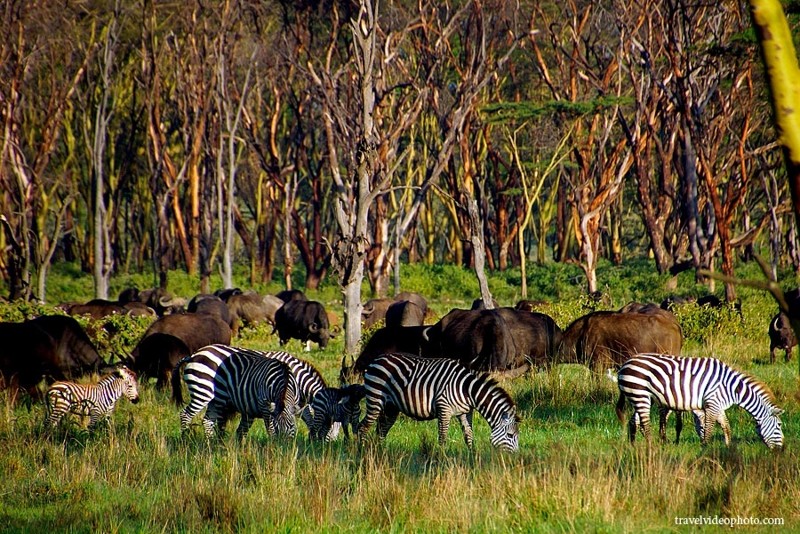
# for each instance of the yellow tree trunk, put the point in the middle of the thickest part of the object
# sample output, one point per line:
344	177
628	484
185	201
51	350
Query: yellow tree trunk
783	74
784	81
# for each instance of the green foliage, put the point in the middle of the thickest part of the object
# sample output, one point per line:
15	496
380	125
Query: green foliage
521	111
117	335
704	323
19	311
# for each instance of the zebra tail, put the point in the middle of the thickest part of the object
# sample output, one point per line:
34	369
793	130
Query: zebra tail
177	387
621	407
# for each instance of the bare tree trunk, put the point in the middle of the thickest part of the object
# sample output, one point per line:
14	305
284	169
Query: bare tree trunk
479	252
103	260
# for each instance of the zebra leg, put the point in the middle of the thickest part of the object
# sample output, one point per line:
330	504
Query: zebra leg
466	425
245	424
387	420
632	423
726	428
444	426
663	419
678	426
699	423
710	416
215	413
374	411
57	406
642	412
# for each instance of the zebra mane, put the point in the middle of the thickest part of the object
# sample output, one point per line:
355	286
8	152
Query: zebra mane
760	387
485	379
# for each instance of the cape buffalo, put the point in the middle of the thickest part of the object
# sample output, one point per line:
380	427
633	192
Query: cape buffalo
205	303
305	320
503	339
180	334
606	339
374	311
404	313
479	339
52	347
291	294
389	339
781	336
251	308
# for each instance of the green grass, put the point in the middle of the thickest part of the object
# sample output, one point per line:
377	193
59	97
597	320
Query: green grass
575	471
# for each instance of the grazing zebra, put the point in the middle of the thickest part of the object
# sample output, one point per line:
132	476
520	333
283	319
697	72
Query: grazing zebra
425	389
255	387
200	368
704	385
663	416
336	406
95	400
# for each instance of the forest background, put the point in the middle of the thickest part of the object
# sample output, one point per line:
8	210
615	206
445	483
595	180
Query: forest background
345	138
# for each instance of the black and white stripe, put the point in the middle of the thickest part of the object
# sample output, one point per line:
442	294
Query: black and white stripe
254	386
94	400
425	389
706	386
200	368
332	408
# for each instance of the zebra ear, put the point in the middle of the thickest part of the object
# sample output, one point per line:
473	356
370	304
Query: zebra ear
777	411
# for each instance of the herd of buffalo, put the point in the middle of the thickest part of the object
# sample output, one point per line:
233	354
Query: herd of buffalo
502	340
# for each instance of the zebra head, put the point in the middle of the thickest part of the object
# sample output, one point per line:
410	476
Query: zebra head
769	428
334	408
129	384
283	422
505	431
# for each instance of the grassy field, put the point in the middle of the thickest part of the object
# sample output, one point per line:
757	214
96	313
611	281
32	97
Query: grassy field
575	471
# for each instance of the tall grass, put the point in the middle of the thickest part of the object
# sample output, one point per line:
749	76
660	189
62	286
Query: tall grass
575	471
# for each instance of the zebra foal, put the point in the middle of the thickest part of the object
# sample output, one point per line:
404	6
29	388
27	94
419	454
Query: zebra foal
94	400
255	387
425	389
705	386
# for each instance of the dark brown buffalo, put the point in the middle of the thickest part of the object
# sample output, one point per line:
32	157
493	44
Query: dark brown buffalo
781	336
291	294
374	311
416	298
536	336
479	339
606	339
97	309
640	307
193	330
225	294
395	311
162	301
405	313
250	308
205	303
162	352
305	320
51	347
386	340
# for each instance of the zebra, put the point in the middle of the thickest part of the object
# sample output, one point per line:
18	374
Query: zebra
255	387
703	385
336	406
200	368
663	416
95	400
428	388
